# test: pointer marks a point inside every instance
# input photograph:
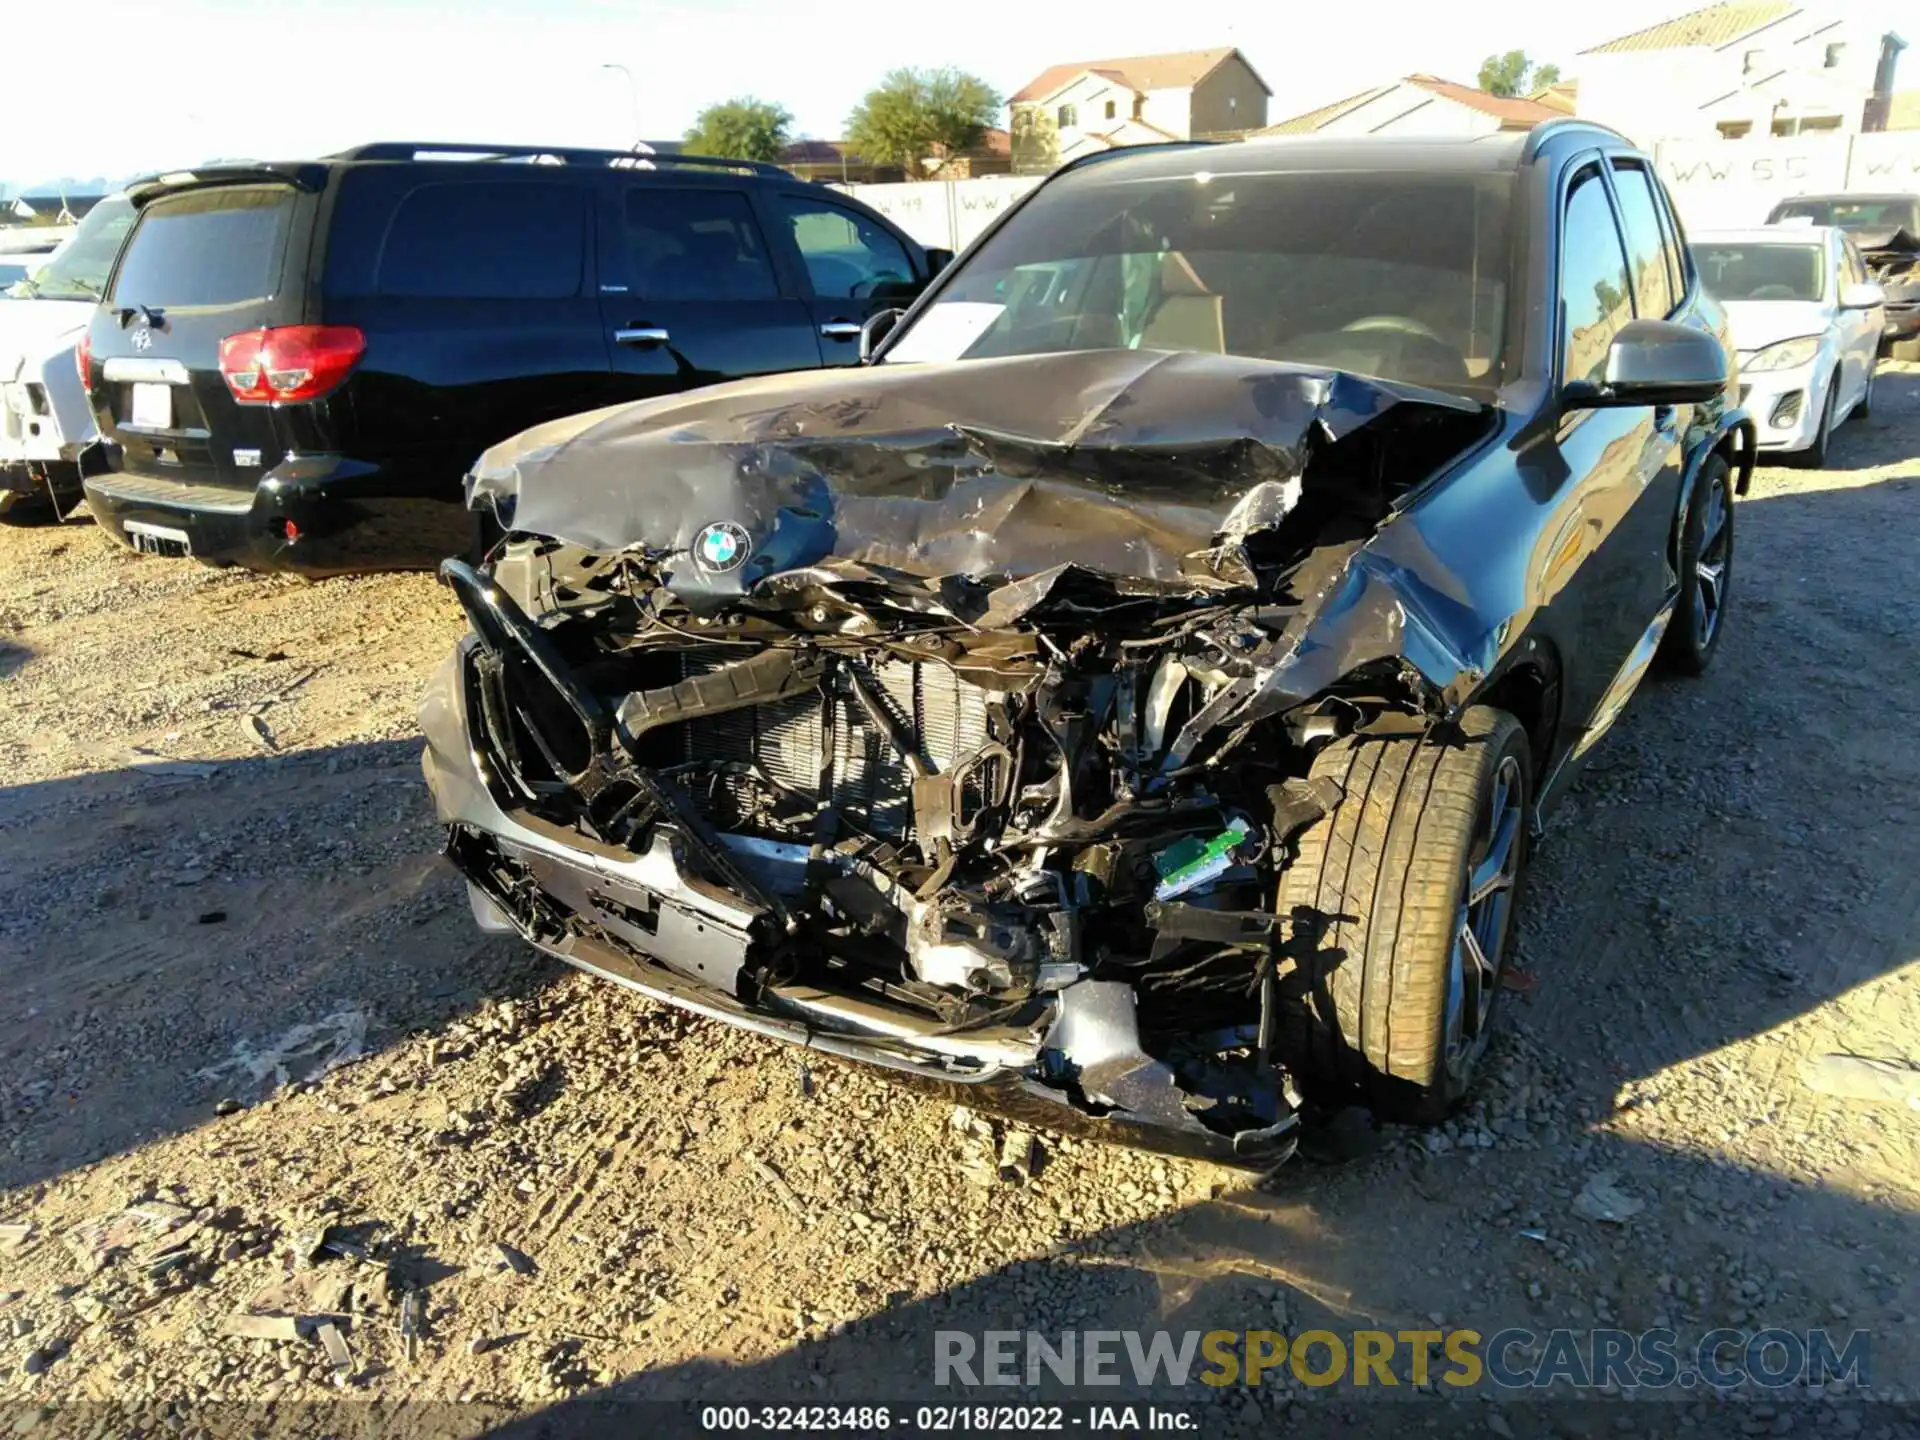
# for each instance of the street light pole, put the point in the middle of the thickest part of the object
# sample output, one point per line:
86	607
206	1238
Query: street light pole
633	94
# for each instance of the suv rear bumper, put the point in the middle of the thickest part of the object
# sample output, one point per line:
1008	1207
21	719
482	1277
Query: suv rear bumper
347	517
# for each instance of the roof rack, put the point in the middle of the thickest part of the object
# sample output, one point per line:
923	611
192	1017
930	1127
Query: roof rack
560	154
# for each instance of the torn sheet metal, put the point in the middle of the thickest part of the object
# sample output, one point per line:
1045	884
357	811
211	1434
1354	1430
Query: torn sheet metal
1147	468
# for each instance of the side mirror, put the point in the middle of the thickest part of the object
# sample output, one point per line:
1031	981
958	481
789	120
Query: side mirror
938	260
1655	362
878	326
1861	295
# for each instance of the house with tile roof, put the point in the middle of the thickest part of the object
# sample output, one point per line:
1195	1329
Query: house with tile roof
1743	71
1085	106
1420	105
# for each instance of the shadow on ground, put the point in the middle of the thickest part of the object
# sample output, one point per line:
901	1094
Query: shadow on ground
168	932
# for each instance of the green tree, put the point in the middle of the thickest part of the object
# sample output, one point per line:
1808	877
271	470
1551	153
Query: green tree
1514	74
913	115
741	129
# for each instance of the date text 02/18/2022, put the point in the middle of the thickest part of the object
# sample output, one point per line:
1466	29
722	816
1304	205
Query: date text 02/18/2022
947	1419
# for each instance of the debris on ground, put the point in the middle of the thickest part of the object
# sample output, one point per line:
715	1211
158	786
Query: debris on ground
152	1227
14	1236
335	1345
302	1052
777	1183
1601	1200
317	1292
280	1328
1863	1077
1019	1153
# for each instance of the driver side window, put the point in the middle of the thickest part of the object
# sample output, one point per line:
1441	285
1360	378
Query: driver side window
1596	295
846	255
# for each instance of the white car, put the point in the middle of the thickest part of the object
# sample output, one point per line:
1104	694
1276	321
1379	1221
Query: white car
24	249
47	434
1806	321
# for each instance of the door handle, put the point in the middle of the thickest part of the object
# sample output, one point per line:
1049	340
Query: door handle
642	335
840	330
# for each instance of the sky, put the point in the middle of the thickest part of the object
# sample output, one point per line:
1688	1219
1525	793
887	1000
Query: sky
183	81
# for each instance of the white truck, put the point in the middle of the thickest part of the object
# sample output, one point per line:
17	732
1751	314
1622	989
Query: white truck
47	437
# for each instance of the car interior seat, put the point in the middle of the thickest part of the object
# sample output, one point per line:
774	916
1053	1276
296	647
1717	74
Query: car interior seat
1188	316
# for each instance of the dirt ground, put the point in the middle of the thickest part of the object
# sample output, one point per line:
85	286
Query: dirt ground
240	993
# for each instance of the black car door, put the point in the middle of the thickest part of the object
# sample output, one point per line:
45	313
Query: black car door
1605	557
690	293
854	265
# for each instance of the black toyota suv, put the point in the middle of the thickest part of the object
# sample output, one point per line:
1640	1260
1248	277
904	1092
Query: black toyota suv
294	364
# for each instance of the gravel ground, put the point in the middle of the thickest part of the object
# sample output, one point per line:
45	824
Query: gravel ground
242	996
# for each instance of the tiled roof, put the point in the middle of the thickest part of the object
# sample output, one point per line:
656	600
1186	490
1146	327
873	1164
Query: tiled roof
1139	72
1508	110
1712	27
1315	119
1562	95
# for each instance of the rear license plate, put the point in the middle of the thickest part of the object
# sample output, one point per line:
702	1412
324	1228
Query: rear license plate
157	539
152	406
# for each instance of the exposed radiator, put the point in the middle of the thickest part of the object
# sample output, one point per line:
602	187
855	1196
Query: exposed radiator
866	777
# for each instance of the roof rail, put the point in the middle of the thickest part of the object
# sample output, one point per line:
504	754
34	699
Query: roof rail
1560	125
1117	151
562	154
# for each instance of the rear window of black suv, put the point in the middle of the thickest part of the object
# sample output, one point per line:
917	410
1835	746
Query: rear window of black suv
207	247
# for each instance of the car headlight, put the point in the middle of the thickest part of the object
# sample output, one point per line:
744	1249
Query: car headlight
1785	355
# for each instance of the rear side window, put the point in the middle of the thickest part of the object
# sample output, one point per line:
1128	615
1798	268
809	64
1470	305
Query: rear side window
207	247
1646	241
1594	290
485	240
695	245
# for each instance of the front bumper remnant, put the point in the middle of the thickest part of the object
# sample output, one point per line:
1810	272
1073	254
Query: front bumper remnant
653	920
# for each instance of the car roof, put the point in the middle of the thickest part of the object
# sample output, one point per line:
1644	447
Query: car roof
1505	150
546	160
1766	235
1830	195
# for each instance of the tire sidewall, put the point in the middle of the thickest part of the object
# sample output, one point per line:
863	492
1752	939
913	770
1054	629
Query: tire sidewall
1814	457
1449	1090
1687	653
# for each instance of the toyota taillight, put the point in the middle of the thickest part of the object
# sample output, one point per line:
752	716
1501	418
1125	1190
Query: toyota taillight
289	362
83	361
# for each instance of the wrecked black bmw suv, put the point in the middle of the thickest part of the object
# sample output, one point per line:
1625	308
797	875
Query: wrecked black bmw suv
1130	698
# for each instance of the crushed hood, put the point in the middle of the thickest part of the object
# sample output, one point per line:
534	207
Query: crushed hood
1150	468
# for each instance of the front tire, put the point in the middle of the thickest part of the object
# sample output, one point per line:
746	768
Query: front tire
1706	573
1403	898
1814	457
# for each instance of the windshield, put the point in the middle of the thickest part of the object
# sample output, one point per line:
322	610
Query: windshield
1865	212
1759	272
78	270
1395	275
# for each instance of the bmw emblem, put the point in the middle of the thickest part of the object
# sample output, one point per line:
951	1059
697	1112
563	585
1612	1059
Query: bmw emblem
722	547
